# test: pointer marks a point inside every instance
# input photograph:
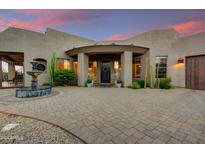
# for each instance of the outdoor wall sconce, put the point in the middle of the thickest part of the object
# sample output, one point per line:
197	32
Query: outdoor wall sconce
181	61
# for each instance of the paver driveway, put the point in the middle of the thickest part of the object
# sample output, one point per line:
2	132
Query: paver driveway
112	115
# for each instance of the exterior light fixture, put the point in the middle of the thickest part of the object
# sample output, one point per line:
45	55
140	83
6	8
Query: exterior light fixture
181	61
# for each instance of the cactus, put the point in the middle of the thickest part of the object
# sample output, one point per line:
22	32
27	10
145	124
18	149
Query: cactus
158	81
152	76
52	69
145	76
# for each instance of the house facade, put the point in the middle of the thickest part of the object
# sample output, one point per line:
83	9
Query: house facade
182	58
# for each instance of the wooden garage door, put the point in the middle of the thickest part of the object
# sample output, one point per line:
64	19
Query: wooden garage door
195	72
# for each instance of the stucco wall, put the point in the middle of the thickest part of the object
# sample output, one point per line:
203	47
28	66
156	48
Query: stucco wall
159	43
187	46
39	45
162	42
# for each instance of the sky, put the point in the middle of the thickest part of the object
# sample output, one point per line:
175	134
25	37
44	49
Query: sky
104	24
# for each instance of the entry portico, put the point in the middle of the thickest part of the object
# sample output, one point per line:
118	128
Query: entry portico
105	61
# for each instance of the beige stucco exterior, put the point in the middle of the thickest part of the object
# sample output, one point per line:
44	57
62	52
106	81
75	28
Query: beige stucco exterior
161	42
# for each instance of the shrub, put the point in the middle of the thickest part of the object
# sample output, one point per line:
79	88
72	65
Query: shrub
165	83
135	85
46	84
65	77
89	81
119	81
140	82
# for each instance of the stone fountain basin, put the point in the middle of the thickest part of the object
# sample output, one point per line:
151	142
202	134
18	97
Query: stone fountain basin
28	92
34	73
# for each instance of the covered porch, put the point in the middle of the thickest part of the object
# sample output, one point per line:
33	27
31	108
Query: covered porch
108	63
11	69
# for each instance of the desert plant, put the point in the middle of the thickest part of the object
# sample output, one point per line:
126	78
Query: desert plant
46	84
119	81
64	77
165	83
140	82
152	76
89	81
135	85
157	76
145	76
52	69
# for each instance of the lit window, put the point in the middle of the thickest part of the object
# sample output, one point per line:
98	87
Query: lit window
93	69
76	67
67	64
136	67
63	63
116	66
161	62
19	69
136	70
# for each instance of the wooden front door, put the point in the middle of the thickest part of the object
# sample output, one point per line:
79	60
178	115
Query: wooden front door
195	72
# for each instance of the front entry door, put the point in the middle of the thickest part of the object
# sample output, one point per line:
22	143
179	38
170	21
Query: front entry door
105	72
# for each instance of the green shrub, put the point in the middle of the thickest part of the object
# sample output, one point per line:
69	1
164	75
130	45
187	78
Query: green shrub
140	82
135	85
46	84
65	77
165	83
89	81
119	81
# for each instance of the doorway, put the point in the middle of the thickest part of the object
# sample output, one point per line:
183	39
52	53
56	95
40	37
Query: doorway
105	72
195	72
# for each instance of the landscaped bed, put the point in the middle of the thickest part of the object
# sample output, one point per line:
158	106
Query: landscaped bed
32	131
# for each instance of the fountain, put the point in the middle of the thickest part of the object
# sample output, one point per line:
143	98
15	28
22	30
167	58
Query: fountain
34	90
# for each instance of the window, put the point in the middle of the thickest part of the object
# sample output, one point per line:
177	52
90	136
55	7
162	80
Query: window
63	64
75	67
93	69
116	66
162	62
136	67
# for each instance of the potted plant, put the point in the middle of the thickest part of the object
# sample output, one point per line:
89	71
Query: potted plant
89	83
119	83
90	80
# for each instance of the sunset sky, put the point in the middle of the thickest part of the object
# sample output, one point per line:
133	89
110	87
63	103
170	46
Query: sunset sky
105	24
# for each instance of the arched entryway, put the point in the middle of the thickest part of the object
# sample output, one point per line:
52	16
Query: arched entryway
105	61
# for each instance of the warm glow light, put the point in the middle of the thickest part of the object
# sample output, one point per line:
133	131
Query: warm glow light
179	65
67	64
116	66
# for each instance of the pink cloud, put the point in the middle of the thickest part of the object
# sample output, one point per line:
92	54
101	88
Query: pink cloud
117	37
190	27
40	19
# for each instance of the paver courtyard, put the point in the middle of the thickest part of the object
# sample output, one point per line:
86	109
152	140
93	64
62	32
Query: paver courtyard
118	115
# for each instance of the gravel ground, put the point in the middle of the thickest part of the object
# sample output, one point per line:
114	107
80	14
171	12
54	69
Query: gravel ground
32	131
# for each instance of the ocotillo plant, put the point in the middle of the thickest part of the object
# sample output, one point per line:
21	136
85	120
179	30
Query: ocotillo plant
145	76
52	69
152	76
157	75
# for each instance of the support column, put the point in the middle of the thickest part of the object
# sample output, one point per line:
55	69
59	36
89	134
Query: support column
126	68
82	69
11	73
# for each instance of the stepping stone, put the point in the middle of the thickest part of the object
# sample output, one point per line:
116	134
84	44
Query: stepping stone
9	127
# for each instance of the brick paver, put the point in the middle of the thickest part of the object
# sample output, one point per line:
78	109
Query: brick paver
119	115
